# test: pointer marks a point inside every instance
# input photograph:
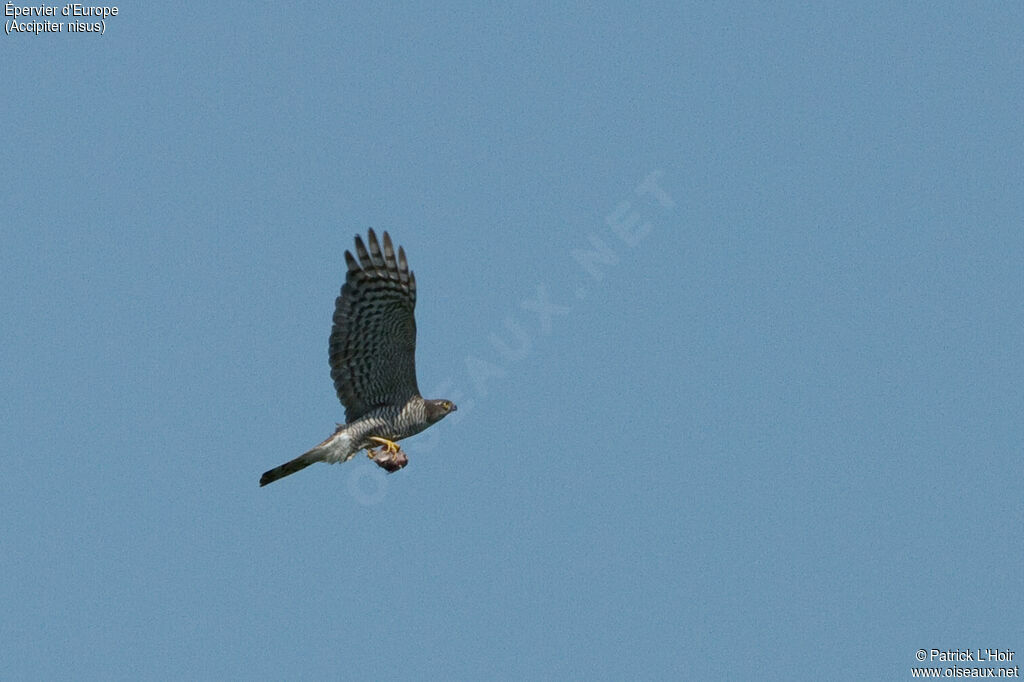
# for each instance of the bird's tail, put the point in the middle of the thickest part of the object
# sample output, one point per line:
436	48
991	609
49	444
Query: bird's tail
288	468
334	449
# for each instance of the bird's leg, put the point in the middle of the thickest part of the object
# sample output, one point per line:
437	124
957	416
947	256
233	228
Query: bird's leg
391	446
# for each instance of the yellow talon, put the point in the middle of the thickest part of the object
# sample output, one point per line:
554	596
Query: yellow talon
390	445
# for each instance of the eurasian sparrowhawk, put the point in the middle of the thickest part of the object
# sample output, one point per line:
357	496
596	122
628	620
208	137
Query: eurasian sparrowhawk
372	356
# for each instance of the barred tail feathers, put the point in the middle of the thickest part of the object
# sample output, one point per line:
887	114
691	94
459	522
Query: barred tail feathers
288	468
337	448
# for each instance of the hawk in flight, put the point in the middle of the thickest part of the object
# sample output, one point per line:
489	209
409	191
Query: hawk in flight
373	363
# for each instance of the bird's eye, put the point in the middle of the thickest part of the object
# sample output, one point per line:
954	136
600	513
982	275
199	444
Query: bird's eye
447	405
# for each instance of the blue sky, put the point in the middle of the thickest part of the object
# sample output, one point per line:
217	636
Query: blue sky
761	422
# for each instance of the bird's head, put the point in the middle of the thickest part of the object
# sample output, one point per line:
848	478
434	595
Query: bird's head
439	409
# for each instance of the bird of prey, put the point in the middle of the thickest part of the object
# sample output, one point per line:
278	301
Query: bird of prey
372	357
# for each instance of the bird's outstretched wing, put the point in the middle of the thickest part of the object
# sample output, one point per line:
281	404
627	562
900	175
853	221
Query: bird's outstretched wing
373	341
